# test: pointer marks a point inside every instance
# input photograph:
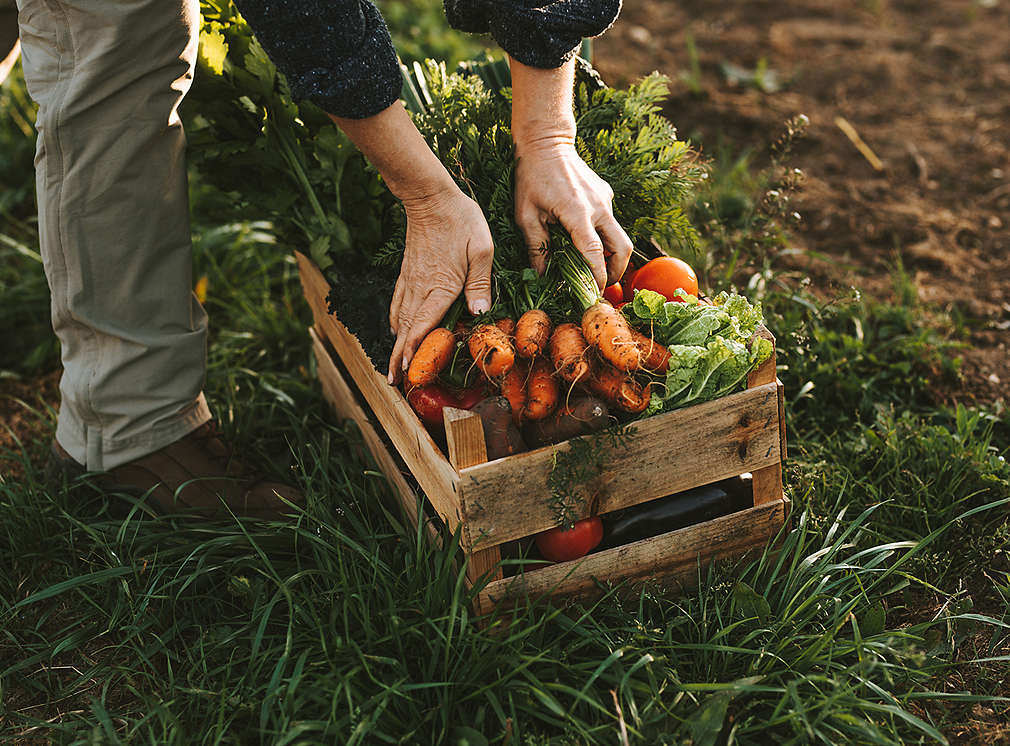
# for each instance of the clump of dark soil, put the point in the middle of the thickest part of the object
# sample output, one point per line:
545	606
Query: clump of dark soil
360	297
925	86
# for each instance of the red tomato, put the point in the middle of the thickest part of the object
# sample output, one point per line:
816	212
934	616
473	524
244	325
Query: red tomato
626	283
468	398
429	401
614	294
562	544
664	275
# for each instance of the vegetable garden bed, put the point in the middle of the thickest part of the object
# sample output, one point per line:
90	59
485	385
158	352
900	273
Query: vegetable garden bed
498	505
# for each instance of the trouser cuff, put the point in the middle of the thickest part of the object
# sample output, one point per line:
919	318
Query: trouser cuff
87	446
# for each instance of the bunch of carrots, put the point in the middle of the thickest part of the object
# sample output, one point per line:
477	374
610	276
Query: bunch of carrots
537	364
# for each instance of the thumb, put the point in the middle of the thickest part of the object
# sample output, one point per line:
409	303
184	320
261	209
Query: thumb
478	276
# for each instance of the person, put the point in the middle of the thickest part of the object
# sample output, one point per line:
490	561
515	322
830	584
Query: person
108	76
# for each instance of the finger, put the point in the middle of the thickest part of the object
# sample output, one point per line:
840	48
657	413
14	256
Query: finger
588	242
396	303
617	248
535	234
395	367
426	317
478	276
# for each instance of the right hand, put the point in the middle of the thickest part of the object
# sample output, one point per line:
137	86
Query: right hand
448	250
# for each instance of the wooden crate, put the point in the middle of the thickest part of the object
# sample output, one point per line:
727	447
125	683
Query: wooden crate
504	500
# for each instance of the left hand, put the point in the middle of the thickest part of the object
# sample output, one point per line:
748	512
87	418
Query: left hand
554	184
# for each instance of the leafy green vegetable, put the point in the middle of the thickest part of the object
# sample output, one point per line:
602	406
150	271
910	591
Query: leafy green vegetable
712	347
691	322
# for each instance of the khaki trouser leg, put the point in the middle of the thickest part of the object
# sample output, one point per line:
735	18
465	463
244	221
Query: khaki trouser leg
108	76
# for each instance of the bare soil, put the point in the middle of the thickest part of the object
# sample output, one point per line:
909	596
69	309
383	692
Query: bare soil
925	86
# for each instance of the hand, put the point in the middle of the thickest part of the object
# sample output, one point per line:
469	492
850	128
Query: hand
448	246
554	184
448	249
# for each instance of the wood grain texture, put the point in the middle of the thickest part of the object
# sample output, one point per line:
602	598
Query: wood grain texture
345	403
673	558
764	373
430	468
465	439
464	436
768	480
507	499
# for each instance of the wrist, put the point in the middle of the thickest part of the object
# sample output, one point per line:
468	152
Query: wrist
394	146
542	113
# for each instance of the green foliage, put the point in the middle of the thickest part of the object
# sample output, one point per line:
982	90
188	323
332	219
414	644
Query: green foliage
574	469
880	617
921	472
744	213
845	358
244	129
28	343
17	148
621	135
419	30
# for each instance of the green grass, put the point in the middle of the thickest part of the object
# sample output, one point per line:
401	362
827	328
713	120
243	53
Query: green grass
880	619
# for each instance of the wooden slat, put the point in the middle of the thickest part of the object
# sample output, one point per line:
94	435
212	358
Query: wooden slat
465	438
672	557
345	404
430	468
768	481
668	453
464	435
764	373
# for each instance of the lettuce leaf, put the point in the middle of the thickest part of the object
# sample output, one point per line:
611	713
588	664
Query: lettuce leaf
712	347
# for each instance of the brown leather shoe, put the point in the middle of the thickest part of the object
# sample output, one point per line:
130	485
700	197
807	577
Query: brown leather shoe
197	473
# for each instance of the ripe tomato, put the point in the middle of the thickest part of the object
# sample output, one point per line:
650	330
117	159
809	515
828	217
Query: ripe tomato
614	294
429	401
664	275
561	544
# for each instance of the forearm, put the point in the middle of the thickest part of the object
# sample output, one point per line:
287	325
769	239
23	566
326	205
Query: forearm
394	146
542	111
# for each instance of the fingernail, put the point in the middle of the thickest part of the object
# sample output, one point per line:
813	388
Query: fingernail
479	306
389	377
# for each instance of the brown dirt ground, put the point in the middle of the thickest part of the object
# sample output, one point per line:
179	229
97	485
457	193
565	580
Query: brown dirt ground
925	85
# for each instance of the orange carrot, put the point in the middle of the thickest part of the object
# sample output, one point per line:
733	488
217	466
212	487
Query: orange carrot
513	388
541	392
533	332
507	325
491	350
618	388
568	353
433	354
655	356
605	328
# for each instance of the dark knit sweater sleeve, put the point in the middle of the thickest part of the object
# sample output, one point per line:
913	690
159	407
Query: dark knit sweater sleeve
538	33
336	53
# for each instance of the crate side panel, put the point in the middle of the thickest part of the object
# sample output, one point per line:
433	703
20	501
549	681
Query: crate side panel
673	557
344	402
508	498
430	468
